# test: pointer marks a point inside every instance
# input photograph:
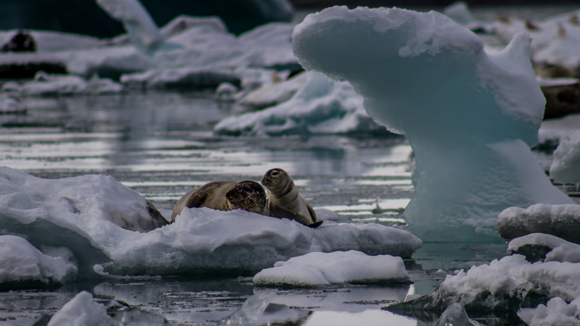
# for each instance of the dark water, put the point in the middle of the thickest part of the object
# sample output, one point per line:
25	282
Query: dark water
161	145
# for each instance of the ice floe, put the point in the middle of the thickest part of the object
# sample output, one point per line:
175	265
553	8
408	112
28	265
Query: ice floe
502	285
320	268
420	74
48	84
272	94
82	310
566	165
22	264
455	315
560	220
555	313
319	106
545	247
184	77
96	218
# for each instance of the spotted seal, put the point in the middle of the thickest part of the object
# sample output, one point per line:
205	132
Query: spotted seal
285	201
225	196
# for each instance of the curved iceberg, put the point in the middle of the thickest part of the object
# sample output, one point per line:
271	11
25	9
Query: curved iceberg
469	116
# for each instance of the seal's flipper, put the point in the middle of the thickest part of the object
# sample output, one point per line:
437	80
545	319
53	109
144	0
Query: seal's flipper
315	225
312	213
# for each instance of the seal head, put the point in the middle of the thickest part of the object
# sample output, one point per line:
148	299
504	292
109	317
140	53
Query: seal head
247	195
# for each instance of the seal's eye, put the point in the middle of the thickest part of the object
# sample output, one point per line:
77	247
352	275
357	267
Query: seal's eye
275	173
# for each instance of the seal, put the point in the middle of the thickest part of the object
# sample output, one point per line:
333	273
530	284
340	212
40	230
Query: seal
225	196
285	201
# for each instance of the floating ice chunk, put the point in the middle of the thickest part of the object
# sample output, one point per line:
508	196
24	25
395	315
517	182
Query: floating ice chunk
319	268
560	220
273	94
555	313
320	106
566	165
551	131
137	22
459	12
505	285
46	84
185	77
455	315
80	311
21	263
545	247
465	113
226	92
184	22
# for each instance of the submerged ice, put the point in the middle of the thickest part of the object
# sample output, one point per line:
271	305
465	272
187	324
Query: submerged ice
470	117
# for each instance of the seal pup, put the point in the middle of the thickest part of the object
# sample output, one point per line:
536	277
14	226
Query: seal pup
284	201
225	196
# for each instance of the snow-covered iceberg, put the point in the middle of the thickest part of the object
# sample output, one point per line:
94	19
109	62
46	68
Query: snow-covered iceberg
319	106
545	247
21	264
559	220
470	117
97	218
566	165
47	84
555	313
502	285
320	268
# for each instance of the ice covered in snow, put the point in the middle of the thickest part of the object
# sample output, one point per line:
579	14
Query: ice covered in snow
470	117
47	84
566	165
185	77
22	263
319	106
459	12
94	216
80	311
319	268
502	285
554	40
137	22
559	220
273	94
545	247
555	313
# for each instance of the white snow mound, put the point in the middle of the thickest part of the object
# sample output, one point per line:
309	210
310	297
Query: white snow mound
22	262
560	249
319	268
555	313
80	311
566	165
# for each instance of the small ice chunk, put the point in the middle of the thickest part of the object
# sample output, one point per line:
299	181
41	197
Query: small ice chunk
10	104
272	95
566	165
80	311
545	247
251	311
555	313
560	220
47	84
184	77
459	12
319	268
20	263
225	92
502	285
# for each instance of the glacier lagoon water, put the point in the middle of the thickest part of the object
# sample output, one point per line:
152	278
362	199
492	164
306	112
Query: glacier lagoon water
161	144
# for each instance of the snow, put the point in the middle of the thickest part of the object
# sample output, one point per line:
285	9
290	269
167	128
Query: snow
22	263
566	165
80	311
459	12
46	84
560	220
555	313
464	112
137	22
319	106
97	218
502	285
320	268
552	248
556	40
